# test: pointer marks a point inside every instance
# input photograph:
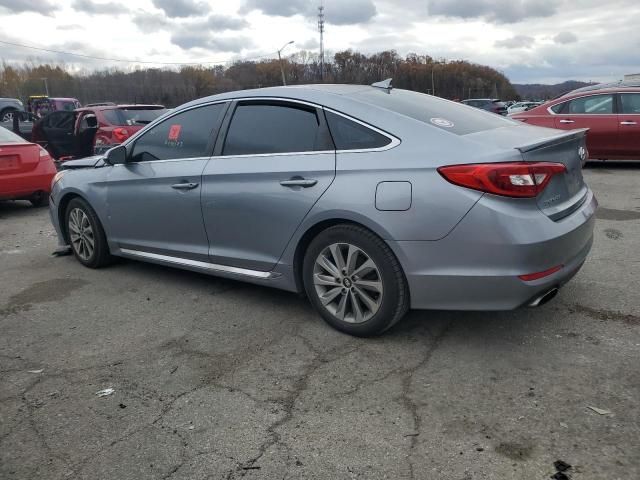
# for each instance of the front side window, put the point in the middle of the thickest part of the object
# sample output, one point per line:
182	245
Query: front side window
592	105
63	120
185	135
259	128
630	103
350	135
558	108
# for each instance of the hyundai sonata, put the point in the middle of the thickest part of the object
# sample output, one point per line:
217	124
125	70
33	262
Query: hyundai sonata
370	200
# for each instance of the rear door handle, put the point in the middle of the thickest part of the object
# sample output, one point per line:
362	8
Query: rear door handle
298	182
626	122
184	186
567	121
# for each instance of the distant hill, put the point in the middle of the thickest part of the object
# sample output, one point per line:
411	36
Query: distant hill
539	91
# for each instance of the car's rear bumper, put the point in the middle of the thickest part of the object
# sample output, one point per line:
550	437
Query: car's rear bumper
476	267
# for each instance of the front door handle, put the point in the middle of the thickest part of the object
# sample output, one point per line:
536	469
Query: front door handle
627	122
298	182
567	121
184	186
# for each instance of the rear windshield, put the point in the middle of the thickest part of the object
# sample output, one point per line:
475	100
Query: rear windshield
7	136
133	116
451	116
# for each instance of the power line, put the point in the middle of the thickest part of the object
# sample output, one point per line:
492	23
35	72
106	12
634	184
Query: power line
130	61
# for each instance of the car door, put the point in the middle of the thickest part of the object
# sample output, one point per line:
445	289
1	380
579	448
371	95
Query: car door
57	129
154	198
629	125
276	160
597	113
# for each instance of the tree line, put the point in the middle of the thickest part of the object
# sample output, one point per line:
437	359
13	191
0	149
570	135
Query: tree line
456	79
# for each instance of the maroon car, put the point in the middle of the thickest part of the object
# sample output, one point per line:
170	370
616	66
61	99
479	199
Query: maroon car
91	130
611	112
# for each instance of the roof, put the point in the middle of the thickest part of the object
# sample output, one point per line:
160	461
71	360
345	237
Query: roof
123	107
612	86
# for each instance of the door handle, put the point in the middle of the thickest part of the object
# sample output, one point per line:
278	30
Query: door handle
627	122
184	186
567	121
298	182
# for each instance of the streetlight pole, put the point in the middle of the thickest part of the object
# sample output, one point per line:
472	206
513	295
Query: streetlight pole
46	85
284	81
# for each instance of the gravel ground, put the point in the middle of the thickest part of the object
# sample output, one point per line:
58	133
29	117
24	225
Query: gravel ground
220	379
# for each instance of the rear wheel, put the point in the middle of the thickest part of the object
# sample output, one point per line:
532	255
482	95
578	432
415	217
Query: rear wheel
355	281
39	199
86	235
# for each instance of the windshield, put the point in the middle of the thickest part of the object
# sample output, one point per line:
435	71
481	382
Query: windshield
451	116
132	116
7	136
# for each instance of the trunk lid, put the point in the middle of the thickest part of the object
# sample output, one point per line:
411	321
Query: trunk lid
566	191
17	158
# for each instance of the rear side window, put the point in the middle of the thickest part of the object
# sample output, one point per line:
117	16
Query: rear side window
630	103
559	107
443	114
591	105
350	135
271	128
185	135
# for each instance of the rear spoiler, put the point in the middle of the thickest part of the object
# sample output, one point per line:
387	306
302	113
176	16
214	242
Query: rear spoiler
554	140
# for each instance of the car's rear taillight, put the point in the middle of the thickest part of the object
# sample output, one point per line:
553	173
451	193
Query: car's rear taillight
513	179
120	134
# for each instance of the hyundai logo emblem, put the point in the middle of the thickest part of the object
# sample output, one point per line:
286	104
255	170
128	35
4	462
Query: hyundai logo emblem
582	153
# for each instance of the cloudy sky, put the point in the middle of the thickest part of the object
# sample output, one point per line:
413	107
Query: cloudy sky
544	41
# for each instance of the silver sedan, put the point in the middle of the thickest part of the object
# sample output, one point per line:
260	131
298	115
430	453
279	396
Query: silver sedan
369	199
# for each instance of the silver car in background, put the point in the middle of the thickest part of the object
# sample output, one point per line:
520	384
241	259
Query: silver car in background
369	199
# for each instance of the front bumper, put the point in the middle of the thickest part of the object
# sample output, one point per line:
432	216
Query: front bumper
55	220
476	266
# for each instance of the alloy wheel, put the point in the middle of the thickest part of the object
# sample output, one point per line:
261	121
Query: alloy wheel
348	283
81	234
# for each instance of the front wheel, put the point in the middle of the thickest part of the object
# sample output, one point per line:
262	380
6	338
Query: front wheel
86	235
354	280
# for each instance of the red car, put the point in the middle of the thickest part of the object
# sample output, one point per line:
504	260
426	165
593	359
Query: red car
26	170
91	130
611	112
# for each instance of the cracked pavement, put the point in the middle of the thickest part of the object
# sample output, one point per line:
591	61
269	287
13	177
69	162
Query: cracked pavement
216	379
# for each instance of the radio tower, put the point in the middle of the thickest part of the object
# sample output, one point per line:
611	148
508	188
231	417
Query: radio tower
321	30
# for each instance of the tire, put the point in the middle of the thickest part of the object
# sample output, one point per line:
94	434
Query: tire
366	297
39	199
82	225
7	114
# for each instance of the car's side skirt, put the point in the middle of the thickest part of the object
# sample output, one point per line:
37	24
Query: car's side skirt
197	265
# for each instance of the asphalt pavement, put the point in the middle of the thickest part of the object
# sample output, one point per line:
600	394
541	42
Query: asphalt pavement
218	379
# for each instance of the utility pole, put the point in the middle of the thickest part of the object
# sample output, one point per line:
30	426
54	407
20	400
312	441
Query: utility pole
433	85
321	30
284	80
46	85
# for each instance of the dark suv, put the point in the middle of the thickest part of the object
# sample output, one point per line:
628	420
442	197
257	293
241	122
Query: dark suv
490	104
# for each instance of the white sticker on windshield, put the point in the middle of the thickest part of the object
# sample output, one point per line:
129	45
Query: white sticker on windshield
441	122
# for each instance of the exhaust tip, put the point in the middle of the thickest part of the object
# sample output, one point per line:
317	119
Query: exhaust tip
544	298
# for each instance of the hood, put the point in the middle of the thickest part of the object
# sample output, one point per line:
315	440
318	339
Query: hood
87	162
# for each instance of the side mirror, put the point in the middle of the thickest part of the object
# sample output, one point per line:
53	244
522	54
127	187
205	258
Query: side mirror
116	155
